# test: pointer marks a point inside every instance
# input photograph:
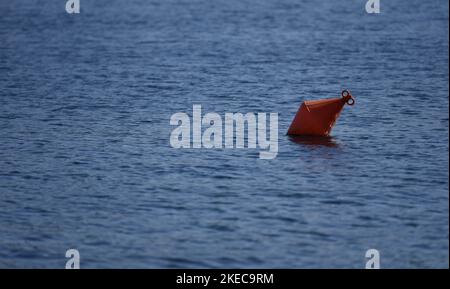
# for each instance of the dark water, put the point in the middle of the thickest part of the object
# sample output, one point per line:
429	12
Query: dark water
85	160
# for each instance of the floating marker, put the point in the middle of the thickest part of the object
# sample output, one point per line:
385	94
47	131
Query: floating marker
317	117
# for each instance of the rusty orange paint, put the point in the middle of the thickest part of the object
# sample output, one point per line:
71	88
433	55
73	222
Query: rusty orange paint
317	117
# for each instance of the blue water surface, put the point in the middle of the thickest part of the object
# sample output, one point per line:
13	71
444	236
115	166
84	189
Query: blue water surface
86	163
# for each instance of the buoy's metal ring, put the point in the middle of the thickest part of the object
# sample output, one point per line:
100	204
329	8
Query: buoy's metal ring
345	93
350	101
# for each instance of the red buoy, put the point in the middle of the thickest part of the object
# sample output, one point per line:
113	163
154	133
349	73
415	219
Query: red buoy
317	117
